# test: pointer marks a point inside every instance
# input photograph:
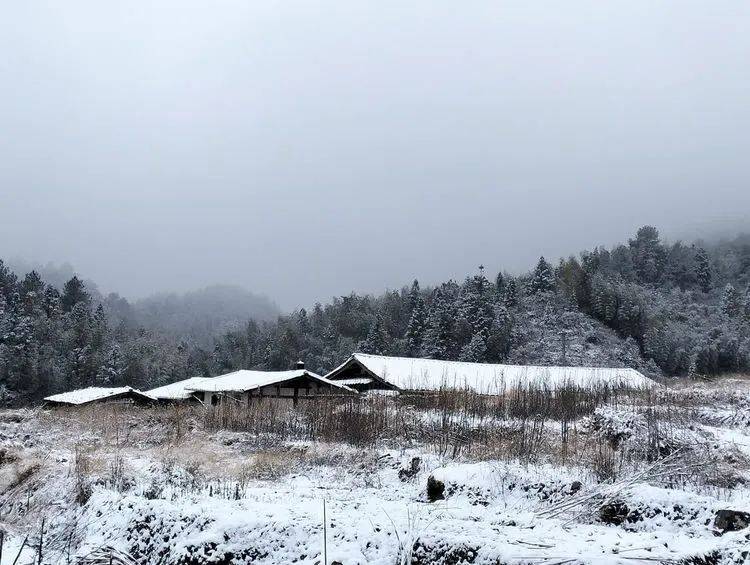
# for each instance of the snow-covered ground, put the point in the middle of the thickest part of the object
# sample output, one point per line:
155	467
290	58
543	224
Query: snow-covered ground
155	487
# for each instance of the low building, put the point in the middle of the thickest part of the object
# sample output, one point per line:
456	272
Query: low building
99	395
245	385
180	391
364	373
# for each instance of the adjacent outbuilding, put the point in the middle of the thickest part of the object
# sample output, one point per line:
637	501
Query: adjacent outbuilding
245	385
99	395
364	372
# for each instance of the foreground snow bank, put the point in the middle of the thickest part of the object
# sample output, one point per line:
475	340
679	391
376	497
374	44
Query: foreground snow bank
492	513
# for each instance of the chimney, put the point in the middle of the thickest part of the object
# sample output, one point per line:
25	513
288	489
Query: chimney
299	365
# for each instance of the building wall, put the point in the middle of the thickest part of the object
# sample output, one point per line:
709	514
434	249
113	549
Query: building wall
305	389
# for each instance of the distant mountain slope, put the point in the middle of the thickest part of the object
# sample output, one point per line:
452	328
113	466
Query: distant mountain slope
202	314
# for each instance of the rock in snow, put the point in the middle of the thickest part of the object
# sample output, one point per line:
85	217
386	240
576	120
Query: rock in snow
731	520
435	489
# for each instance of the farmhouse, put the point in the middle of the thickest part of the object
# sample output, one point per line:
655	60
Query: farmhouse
98	395
364	372
245	385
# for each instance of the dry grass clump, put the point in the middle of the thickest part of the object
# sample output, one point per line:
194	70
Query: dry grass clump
22	473
82	470
7	456
266	465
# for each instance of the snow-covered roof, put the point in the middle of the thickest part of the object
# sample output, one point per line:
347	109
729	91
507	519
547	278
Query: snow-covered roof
92	394
176	391
429	374
240	381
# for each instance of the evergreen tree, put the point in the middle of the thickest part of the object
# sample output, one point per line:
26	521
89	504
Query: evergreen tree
377	339
416	328
111	371
74	292
51	302
476	304
318	320
303	322
8	281
32	284
511	293
703	270
475	350
21	363
648	254
543	279
437	340
99	329
415	294
731	302
81	365
500	285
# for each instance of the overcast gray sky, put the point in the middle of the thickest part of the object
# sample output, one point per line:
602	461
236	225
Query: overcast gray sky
305	149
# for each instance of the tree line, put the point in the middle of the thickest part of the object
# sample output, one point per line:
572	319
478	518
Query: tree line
663	308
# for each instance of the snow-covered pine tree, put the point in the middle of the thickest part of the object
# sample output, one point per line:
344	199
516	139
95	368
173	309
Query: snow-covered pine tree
500	283
51	302
111	371
731	302
649	256
436	343
703	270
476	304
499	339
81	365
31	291
8	281
377	339
416	328
23	356
543	278
475	350
99	328
74	292
511	293
415	294
476	314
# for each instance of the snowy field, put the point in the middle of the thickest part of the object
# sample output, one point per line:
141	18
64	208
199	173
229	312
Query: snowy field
631	480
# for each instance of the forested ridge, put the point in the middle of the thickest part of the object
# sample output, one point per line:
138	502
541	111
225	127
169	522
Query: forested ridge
668	309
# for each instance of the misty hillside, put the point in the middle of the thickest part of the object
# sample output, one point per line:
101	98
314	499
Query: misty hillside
667	309
201	314
196	316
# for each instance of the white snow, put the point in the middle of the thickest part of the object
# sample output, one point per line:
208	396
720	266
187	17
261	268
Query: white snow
244	380
15	552
176	391
496	510
92	393
231	496
430	374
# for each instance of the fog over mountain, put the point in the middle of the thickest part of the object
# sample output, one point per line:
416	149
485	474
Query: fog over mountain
302	150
